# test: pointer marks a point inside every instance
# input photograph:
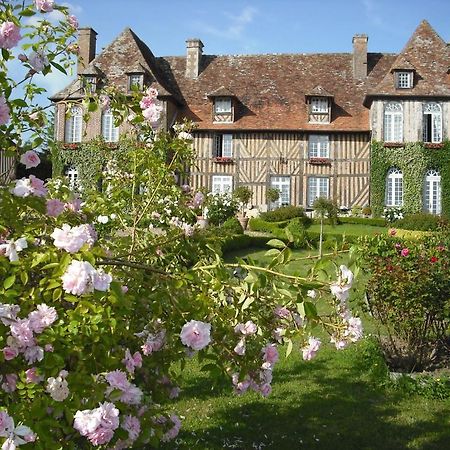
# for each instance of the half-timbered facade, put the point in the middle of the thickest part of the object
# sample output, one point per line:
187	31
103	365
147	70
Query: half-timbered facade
302	123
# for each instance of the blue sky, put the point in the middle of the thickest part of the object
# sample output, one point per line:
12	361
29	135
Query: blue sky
260	26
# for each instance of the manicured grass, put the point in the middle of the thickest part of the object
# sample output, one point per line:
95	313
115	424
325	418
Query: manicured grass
349	229
332	402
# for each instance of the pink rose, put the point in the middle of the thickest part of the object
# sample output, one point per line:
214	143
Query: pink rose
196	334
44	5
38	61
30	159
392	232
73	22
10	353
54	207
310	350
32	376
4	111
270	353
404	252
9	35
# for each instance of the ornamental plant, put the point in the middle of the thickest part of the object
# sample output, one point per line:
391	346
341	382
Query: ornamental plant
220	207
408	295
243	195
105	296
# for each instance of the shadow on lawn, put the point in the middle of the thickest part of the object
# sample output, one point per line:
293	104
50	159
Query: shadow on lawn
331	412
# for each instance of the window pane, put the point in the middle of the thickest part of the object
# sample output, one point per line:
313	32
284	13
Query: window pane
74	125
317	187
227	145
318	146
319	105
283	184
110	132
222	184
222	105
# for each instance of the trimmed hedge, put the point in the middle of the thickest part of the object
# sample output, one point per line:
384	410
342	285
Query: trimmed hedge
242	241
258	224
422	222
285	213
376	222
232	226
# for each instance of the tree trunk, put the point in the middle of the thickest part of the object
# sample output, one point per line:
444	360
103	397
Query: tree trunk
321	238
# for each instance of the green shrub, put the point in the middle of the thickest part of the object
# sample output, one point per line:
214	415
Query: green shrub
258	224
367	211
422	222
356	210
232	226
284	213
242	241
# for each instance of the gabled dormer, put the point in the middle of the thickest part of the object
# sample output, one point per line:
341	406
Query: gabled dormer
91	78
223	105
137	77
404	74
319	103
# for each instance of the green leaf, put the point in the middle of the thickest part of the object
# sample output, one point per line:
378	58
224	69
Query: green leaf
247	303
59	67
24	277
272	252
57	294
9	281
276	243
289	348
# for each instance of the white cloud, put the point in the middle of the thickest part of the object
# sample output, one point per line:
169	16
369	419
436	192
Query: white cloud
236	26
55	16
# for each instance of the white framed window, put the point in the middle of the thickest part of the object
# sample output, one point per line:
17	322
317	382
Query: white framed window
72	176
135	80
319	105
223	145
393	122
222	184
74	125
432	122
110	132
318	146
404	80
432	193
317	187
394	187
283	184
222	105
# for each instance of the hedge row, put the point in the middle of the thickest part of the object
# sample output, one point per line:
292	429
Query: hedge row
242	241
376	222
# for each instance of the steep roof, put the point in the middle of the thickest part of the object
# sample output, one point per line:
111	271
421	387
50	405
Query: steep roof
271	89
429	56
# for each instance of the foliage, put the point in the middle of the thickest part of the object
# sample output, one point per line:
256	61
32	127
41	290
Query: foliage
243	241
426	385
243	194
422	221
272	195
366	211
408	294
232	226
259	224
393	213
414	160
377	222
220	207
105	297
324	207
356	210
285	213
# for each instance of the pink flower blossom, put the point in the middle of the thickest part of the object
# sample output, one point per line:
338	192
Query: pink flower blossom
247	329
117	380
30	159
4	111
44	5
132	395
132	361
78	278
404	252
49	348
196	334
10	383
9	35
38	61
10	353
6	424
132	425
71	239
37	186
354	330
58	388
172	433
265	389
310	350
153	343
22	332
12	247
73	22
8	313
34	354
74	205
282	312
43	317
240	347
341	288
152	114
102	280
32	376
392	232
104	101
270	353
54	207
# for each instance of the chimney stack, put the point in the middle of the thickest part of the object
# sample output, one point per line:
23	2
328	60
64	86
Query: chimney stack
194	50
360	56
87	40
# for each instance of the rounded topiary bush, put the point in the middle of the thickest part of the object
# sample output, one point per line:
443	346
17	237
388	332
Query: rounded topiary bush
286	213
232	226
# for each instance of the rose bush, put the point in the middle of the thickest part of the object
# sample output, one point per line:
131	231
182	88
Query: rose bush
104	297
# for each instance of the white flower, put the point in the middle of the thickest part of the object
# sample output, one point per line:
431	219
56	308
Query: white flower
11	248
57	388
312	293
103	219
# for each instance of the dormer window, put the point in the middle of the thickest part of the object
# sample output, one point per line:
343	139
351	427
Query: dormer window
135	81
222	105
319	105
89	84
404	79
319	110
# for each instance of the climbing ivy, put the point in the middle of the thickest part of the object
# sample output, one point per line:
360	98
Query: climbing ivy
414	159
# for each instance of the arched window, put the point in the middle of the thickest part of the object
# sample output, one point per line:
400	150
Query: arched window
110	132
394	187
432	192
393	122
74	124
432	122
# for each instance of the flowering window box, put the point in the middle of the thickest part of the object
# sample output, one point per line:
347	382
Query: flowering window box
433	144
394	144
223	160
71	146
320	161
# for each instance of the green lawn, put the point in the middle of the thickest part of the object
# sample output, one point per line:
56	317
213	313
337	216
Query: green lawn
332	402
349	229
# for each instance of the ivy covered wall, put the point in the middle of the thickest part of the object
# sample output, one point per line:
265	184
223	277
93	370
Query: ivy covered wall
414	159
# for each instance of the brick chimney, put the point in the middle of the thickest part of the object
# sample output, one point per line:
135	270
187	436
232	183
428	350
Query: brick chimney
87	40
360	56
194	51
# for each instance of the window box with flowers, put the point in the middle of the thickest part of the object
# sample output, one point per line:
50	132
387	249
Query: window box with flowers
433	144
73	146
320	161
393	144
223	160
